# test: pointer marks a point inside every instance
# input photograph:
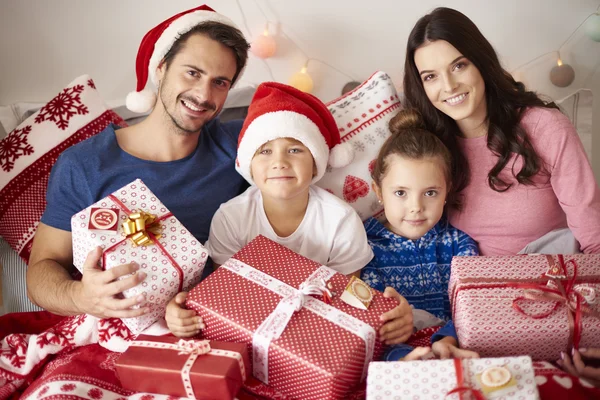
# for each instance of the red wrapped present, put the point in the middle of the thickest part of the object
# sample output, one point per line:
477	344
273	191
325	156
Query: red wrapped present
531	304
270	297
132	225
187	368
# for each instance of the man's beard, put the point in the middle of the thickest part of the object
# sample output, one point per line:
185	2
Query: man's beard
181	130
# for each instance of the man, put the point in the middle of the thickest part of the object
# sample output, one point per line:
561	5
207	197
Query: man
180	151
184	156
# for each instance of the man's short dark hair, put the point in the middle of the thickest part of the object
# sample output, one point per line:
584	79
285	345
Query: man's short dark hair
227	35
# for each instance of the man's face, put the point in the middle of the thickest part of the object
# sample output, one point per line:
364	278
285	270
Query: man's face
193	89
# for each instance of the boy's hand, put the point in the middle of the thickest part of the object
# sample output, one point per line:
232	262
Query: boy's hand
398	323
447	348
181	321
419	353
577	366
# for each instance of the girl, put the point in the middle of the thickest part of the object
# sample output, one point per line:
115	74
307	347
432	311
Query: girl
516	157
413	250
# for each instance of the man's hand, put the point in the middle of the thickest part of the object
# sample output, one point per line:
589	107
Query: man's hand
95	294
448	348
398	323
576	365
182	322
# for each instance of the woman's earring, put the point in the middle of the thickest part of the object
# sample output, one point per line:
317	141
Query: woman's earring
445	201
379	201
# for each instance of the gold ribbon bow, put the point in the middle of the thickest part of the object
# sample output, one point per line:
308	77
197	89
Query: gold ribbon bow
142	228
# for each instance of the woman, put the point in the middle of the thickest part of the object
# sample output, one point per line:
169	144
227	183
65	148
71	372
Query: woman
520	170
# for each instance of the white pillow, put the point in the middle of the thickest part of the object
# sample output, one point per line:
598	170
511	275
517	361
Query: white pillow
362	116
578	107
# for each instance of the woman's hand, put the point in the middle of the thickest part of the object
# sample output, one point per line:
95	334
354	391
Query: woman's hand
576	365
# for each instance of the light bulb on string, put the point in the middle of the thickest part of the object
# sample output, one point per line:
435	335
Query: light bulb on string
264	46
592	27
302	80
562	75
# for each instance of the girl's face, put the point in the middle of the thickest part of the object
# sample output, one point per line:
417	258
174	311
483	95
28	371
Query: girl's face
413	193
452	83
282	168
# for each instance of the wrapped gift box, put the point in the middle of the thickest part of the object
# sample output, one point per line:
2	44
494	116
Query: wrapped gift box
317	356
495	299
185	368
434	379
173	261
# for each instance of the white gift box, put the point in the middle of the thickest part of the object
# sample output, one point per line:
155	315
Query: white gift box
173	259
433	379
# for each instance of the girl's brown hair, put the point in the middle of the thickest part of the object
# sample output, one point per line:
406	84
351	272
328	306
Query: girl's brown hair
411	140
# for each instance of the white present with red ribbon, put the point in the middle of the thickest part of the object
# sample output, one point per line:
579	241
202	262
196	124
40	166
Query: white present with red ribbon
508	378
165	250
531	304
277	300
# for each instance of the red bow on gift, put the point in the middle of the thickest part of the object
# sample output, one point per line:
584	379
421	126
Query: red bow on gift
460	382
566	293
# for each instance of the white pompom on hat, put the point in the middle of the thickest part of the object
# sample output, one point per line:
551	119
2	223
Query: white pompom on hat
156	44
282	111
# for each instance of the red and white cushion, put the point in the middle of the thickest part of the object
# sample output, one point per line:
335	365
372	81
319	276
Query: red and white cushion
362	116
28	153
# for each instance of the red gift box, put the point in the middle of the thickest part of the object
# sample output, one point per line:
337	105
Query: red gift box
530	304
323	350
185	368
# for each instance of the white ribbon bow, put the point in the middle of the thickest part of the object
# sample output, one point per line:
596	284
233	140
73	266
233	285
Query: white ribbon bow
317	288
197	347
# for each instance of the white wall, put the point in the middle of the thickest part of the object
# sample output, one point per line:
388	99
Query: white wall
45	44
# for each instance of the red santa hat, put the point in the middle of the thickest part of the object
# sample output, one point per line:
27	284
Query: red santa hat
282	111
156	44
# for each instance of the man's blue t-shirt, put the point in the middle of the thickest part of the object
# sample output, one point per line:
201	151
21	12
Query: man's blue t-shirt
192	188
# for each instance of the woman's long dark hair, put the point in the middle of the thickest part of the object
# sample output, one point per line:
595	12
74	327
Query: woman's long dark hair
506	99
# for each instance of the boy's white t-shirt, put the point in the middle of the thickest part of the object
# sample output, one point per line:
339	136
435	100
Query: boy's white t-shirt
331	232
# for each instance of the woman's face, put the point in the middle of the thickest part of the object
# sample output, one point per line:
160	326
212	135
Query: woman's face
452	83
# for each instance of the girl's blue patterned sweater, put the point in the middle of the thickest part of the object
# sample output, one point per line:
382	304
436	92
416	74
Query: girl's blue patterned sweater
418	269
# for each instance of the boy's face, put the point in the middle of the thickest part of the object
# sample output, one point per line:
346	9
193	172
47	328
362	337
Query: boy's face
282	168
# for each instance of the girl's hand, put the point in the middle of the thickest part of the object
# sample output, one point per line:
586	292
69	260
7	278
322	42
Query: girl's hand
447	348
181	321
577	366
398	323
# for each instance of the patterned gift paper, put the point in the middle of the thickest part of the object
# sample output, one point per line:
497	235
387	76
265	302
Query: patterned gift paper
483	311
433	379
313	358
163	279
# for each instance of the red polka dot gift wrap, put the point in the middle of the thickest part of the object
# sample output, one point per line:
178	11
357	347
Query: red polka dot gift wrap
166	251
321	350
534	305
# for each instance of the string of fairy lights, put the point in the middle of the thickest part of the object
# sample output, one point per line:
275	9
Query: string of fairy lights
264	46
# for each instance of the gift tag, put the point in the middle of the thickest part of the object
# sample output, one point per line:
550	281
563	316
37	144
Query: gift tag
496	381
104	219
357	293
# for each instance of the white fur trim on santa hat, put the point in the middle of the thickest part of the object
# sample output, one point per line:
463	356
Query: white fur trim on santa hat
282	124
140	102
341	155
177	28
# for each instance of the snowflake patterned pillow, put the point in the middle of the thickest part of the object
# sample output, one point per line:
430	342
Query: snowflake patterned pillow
28	153
362	116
